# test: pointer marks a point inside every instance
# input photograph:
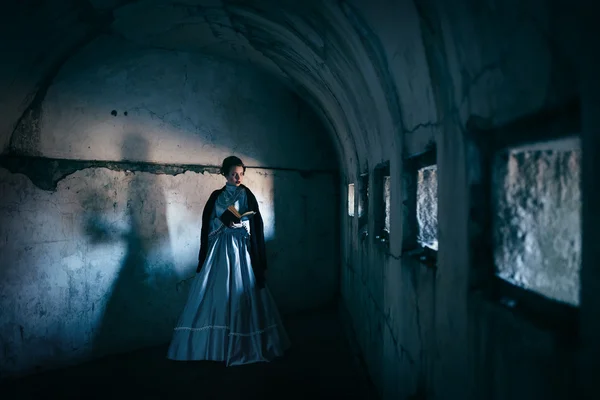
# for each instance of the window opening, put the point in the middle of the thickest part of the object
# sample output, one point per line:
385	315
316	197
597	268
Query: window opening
420	207
351	200
381	202
387	190
525	215
537	218
427	207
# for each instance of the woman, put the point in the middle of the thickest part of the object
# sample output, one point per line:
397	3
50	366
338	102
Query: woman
230	315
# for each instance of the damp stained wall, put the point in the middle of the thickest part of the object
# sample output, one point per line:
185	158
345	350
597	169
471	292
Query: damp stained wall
389	78
423	332
100	230
187	108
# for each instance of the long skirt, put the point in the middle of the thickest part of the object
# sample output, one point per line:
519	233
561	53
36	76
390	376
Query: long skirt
227	317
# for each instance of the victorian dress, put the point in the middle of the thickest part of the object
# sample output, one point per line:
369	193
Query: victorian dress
230	315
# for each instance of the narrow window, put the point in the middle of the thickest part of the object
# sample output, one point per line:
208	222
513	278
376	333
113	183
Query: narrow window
420	206
387	189
427	202
351	200
381	202
537	218
525	215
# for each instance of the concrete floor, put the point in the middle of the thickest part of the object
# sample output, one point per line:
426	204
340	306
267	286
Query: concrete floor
320	364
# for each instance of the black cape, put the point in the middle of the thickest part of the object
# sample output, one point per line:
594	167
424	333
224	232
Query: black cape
257	249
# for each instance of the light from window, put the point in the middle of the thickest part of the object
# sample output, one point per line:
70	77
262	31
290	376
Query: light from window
537	221
427	207
351	200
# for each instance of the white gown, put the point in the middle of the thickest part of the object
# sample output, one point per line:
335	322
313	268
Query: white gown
227	317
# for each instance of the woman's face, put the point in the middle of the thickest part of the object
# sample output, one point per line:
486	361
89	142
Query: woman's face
235	176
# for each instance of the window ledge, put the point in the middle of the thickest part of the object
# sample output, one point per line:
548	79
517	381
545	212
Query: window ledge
424	255
544	313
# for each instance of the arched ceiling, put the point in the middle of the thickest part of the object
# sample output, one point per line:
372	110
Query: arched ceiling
365	66
321	50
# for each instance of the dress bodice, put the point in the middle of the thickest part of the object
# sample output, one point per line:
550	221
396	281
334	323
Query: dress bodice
232	195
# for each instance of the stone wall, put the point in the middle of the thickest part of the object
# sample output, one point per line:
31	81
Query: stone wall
100	209
389	78
422	331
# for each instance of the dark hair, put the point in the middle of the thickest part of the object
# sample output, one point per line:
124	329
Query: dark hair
231	161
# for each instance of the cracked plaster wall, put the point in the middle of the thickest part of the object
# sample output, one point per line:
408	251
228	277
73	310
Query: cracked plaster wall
421	334
388	77
101	264
188	108
96	251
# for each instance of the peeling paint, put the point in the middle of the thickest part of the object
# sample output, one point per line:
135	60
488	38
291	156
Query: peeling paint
46	173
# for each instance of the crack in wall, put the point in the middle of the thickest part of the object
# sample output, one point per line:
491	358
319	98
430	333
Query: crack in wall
437	60
183	282
241	16
422	126
415	284
46	173
401	351
377	56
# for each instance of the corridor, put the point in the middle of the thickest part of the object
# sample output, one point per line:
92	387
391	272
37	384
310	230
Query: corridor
428	166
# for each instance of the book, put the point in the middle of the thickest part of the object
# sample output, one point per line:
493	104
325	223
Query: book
232	215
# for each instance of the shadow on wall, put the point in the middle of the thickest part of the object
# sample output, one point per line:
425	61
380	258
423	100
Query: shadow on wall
137	312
